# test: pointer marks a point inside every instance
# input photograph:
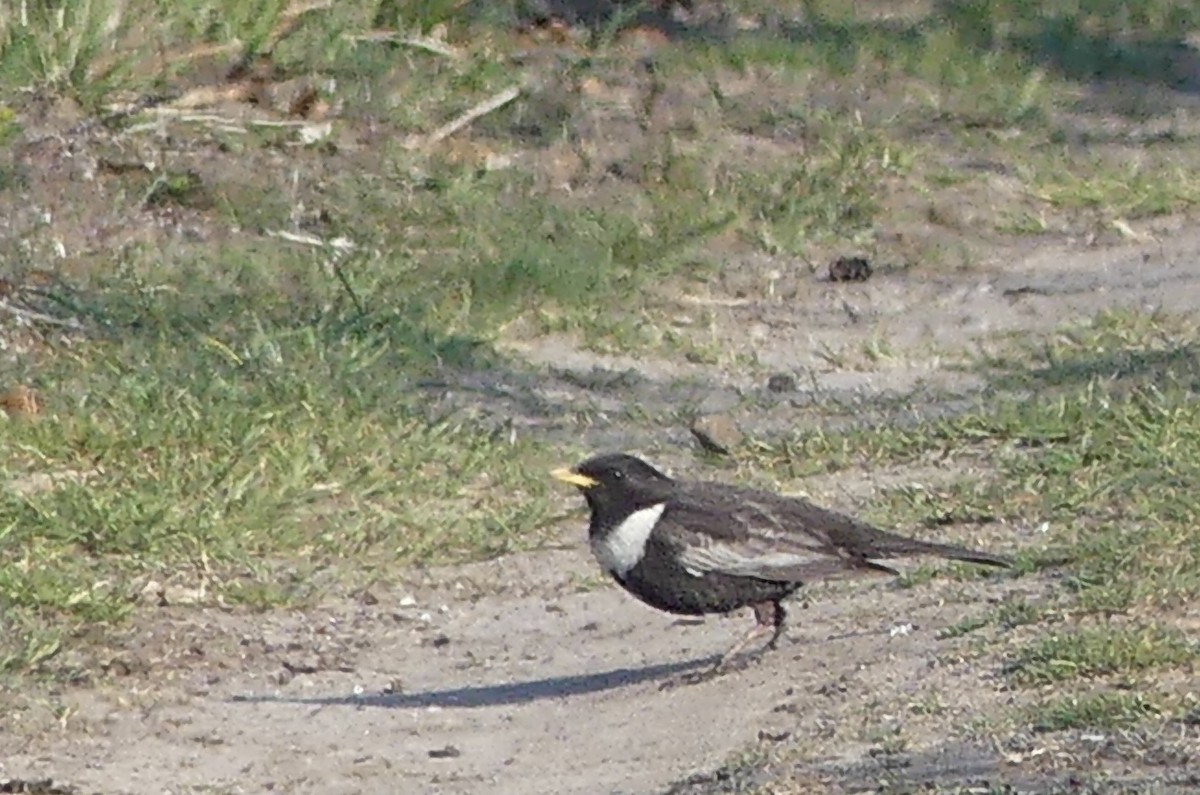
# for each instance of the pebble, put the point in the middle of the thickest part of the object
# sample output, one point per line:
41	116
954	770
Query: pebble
717	433
781	382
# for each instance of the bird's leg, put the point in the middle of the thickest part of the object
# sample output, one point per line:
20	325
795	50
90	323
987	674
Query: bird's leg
768	617
778	617
721	665
757	631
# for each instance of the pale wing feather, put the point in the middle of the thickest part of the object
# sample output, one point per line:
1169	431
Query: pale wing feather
759	544
745	533
722	558
764	549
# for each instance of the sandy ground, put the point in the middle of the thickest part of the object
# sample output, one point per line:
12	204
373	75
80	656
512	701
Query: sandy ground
530	675
451	688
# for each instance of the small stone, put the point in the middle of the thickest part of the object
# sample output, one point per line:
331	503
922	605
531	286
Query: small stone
781	382
181	595
408	601
20	401
118	667
717	433
154	594
446	752
849	269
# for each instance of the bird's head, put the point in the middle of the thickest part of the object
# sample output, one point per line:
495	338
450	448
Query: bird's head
617	482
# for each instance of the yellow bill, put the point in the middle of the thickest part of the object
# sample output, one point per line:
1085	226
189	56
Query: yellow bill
574	478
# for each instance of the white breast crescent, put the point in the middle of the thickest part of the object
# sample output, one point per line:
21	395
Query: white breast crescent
622	548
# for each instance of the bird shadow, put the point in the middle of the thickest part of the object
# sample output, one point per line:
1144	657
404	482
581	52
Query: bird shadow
494	695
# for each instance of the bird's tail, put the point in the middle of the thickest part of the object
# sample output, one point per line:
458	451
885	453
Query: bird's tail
888	545
968	555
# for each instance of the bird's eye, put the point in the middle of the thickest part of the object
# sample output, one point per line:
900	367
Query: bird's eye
618	474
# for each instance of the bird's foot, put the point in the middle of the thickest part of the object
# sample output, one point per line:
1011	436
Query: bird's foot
722	667
690	678
769	618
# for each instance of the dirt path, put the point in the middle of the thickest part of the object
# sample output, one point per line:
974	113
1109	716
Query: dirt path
528	675
925	321
546	691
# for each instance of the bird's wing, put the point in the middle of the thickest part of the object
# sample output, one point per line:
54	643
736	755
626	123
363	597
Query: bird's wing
750	534
798	566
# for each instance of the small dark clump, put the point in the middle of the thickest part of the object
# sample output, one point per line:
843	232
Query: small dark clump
849	269
781	382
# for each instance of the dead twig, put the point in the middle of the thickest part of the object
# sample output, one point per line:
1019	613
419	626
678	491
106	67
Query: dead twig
161	62
212	120
700	300
482	109
204	96
37	317
289	20
428	43
339	244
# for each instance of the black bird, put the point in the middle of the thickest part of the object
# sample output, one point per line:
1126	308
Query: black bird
692	548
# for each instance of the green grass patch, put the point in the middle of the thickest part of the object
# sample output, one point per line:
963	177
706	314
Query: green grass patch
240	439
1013	612
1101	651
1098	458
1124	191
1114	710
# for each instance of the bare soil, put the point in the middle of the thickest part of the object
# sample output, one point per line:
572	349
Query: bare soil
528	674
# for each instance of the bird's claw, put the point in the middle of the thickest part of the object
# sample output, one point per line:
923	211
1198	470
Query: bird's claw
721	668
690	678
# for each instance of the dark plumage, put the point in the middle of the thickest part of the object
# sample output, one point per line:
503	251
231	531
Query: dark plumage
702	547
